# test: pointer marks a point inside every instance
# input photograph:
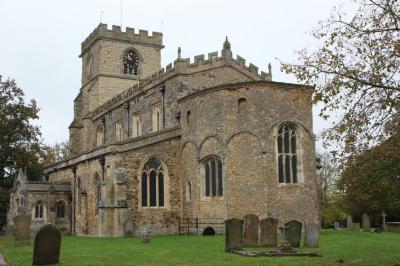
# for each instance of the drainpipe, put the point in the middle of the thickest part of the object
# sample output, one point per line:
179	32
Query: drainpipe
126	107
72	217
162	90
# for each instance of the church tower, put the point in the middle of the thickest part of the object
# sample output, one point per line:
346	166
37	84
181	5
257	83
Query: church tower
112	61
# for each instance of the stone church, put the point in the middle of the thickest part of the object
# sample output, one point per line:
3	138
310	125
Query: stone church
208	138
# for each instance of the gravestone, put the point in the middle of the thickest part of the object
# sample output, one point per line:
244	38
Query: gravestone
293	233
128	228
233	235
356	226
46	250
22	234
366	224
269	234
311	237
145	237
349	221
250	231
336	225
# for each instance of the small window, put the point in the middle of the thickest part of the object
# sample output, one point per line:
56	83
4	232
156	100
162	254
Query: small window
188	191
118	131
100	136
60	209
287	156
242	105
213	177
39	210
188	117
136	126
157	118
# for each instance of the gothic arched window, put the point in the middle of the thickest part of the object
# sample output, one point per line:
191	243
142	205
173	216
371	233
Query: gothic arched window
153	184
39	210
287	157
213	184
60	209
131	62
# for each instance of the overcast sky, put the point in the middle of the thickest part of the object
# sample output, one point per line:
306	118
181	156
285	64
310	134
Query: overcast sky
40	40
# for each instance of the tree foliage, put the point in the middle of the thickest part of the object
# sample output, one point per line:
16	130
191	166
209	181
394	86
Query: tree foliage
356	73
371	180
20	140
56	153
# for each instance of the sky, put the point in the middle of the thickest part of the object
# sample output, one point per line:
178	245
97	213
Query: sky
40	40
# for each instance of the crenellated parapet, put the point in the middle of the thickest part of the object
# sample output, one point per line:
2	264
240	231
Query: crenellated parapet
116	33
185	66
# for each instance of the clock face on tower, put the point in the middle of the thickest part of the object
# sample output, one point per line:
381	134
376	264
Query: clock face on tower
131	63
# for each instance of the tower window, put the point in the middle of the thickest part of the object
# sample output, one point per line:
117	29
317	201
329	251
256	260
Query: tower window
100	136
131	62
157	118
287	157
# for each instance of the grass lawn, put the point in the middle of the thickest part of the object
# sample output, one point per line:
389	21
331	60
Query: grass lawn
354	248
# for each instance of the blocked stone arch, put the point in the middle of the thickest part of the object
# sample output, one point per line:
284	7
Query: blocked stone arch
190	171
187	143
245	167
211	145
261	143
166	180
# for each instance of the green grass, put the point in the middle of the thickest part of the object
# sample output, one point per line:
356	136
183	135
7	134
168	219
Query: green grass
354	248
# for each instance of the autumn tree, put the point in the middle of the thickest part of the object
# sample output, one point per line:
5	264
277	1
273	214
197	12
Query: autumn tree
356	73
56	153
370	181
20	140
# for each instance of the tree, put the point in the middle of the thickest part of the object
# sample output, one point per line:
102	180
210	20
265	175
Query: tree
20	140
330	196
56	153
371	180
356	73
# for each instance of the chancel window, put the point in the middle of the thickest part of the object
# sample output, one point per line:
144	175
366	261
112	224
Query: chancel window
39	210
153	184
136	126
118	131
131	62
287	157
100	136
60	209
213	183
157	118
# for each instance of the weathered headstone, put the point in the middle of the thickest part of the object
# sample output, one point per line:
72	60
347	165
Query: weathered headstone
233	234
250	230
311	237
46	250
293	233
22	234
269	234
336	225
349	221
366	224
128	228
145	237
356	226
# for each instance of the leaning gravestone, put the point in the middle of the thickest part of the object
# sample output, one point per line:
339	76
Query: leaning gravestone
22	234
356	226
366	224
269	234
293	233
311	237
349	221
46	250
336	225
250	231
233	234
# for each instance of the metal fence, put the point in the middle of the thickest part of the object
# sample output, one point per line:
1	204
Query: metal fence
201	226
